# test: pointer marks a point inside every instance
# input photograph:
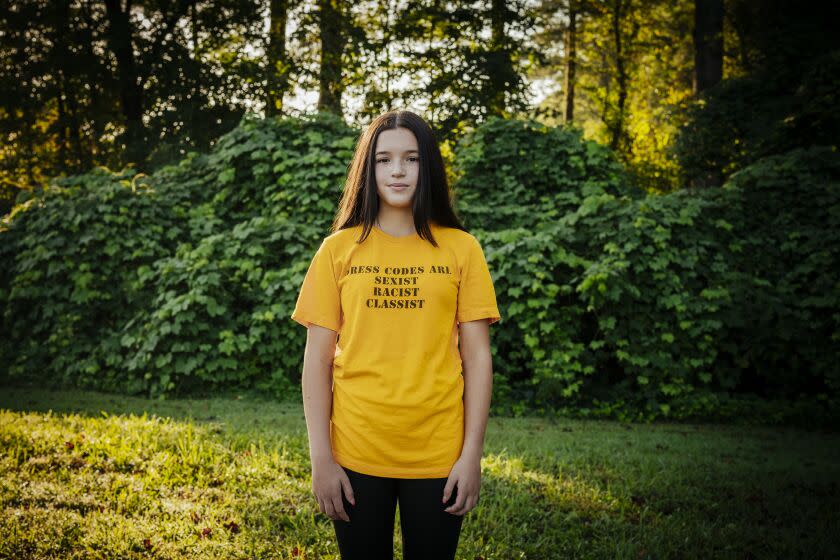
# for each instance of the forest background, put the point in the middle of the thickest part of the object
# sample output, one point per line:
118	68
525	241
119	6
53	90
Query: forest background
655	185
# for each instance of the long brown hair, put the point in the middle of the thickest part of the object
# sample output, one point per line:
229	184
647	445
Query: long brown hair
432	198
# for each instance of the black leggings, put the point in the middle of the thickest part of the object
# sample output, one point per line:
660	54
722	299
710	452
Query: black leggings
428	532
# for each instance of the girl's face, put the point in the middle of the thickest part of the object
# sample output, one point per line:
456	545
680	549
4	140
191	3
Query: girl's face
397	163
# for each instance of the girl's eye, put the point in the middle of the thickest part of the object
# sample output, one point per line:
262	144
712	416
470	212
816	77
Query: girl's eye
413	158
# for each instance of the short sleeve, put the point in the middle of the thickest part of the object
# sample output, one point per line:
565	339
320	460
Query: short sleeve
476	294
318	301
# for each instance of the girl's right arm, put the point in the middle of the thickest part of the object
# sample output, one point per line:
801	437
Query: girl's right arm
328	478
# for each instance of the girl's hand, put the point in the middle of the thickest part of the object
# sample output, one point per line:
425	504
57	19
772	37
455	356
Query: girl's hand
328	481
466	473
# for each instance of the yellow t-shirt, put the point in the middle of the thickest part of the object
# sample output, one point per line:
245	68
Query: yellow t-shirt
395	303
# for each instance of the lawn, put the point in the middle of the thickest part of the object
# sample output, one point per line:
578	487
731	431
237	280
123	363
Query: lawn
92	475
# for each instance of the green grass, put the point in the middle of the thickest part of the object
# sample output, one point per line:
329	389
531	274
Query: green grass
91	475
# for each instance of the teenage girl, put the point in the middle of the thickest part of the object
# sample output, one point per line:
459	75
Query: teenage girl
397	371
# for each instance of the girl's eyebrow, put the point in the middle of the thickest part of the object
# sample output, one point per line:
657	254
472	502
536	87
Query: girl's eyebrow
387	152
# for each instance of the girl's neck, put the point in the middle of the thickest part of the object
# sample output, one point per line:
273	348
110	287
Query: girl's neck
395	222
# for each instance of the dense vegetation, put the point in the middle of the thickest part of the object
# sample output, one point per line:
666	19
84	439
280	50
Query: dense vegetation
144	82
701	304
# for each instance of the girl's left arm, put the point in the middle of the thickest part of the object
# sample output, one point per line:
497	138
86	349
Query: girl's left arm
478	385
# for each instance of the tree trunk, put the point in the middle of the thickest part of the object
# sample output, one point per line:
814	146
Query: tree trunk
131	81
97	125
82	160
70	149
498	57
708	66
570	61
332	43
708	44
620	78
131	90
60	120
277	65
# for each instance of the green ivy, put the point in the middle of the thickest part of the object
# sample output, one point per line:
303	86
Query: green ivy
645	307
696	304
181	282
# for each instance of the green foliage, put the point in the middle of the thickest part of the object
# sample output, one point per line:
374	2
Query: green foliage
730	128
660	292
787	212
614	303
744	119
184	284
509	168
817	119
72	258
644	307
